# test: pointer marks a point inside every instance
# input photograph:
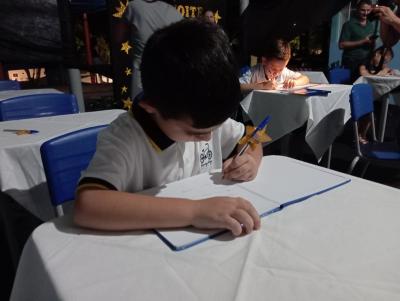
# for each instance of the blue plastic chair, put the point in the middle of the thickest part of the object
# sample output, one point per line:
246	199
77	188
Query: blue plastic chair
339	76
384	153
38	105
244	70
64	158
9	85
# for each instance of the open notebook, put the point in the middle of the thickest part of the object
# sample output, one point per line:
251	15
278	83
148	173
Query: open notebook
308	90
280	182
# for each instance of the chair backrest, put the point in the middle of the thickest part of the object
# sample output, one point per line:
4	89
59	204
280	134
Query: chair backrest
339	76
361	101
9	85
38	105
243	70
64	158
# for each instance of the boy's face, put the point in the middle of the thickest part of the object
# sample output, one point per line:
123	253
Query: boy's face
273	67
179	130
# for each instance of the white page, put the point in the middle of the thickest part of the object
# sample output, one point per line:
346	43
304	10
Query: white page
281	88
280	180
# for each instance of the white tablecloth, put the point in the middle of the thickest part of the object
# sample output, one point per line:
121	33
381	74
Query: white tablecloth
381	85
14	93
316	77
21	172
325	115
340	245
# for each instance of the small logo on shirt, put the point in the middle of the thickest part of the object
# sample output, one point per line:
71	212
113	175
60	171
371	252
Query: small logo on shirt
206	156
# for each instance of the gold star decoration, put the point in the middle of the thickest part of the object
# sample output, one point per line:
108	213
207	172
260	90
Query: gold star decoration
125	47
124	89
217	17
260	137
127	103
120	10
128	71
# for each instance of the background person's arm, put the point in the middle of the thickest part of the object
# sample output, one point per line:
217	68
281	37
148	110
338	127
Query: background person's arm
390	25
354	44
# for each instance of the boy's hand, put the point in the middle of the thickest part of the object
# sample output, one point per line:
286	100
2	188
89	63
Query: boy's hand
289	83
266	85
240	168
235	214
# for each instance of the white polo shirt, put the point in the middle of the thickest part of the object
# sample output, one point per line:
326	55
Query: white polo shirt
133	154
256	74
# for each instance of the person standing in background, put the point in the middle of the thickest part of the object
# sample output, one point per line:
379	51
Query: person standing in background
208	16
142	18
357	39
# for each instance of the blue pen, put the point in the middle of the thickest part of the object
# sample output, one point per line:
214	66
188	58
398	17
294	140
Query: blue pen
260	127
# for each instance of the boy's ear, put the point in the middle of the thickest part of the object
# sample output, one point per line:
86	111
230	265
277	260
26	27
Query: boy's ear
148	107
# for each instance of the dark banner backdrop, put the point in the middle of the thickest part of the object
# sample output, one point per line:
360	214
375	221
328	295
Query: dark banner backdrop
121	49
38	32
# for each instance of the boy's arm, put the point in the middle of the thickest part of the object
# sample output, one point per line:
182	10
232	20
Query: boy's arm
302	80
266	85
291	82
115	210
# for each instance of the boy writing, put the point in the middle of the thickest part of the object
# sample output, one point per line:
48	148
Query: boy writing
272	72
179	128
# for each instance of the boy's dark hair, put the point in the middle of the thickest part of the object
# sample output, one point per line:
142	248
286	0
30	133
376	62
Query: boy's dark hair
188	70
277	49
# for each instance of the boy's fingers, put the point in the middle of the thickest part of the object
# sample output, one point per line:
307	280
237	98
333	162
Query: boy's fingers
234	163
226	163
244	219
254	215
234	226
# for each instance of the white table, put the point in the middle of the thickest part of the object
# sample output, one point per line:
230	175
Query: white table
6	94
382	87
340	245
316	77
325	115
21	172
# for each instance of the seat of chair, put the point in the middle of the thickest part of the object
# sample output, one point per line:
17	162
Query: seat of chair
381	151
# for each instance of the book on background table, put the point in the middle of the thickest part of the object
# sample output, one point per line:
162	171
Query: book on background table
280	182
308	90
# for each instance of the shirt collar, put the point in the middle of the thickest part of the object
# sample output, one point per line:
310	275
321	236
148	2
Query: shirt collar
157	138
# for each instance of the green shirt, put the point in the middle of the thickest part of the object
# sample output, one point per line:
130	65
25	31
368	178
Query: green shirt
352	30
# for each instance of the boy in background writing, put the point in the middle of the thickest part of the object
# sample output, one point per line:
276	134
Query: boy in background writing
179	128
272	73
